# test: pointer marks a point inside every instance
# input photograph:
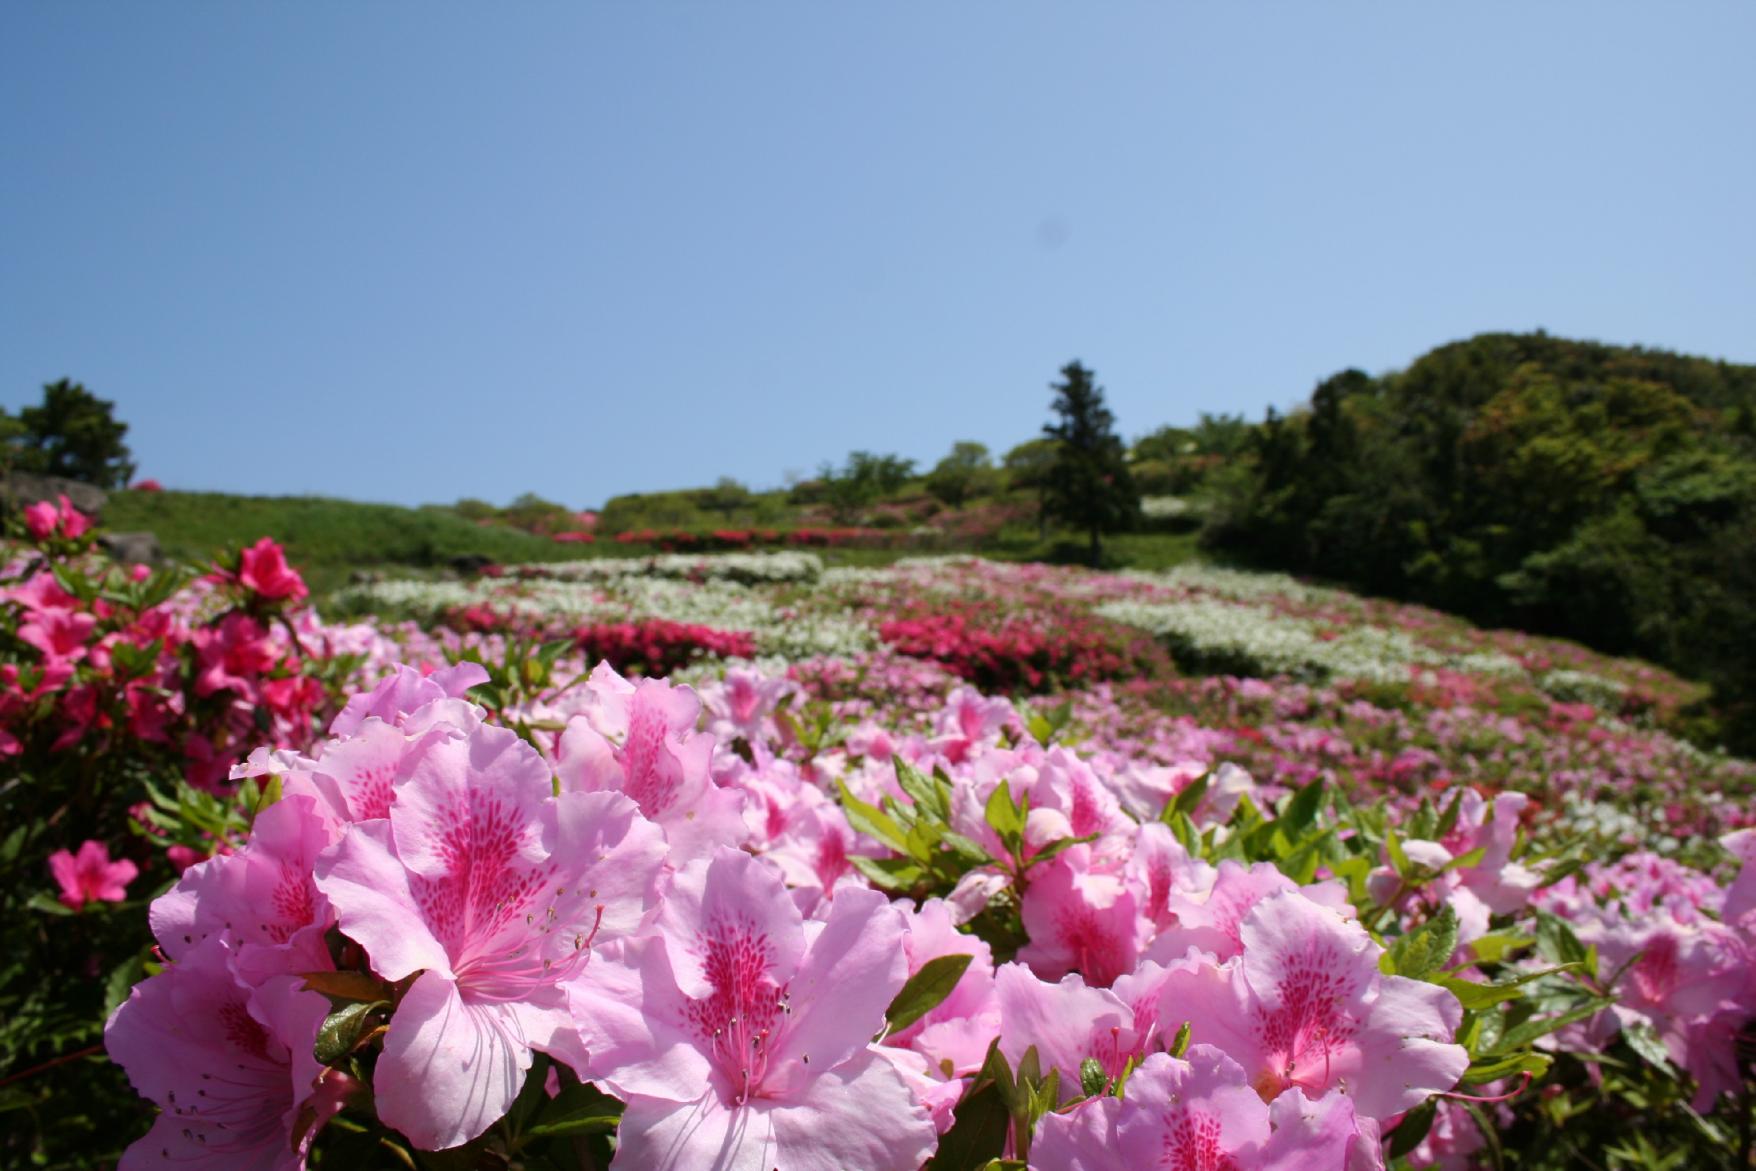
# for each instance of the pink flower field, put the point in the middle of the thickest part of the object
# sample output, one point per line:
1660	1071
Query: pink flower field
747	863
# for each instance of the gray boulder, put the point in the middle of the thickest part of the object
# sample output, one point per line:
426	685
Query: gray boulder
133	548
22	489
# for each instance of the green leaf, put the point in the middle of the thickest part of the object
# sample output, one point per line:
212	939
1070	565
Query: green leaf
1522	1035
1186	799
47	905
1476	996
1092	1078
1643	1039
1555	939
1494	1068
1413	1128
889	873
925	990
1466	860
121	980
1057	846
1426	949
343	1028
578	1109
1493	949
1004	815
347	985
923	791
1303	807
872	821
978	1131
1398	860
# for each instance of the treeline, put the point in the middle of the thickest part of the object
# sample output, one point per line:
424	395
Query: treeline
1603	493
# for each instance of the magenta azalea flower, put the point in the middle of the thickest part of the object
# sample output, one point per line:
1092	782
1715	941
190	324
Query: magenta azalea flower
90	875
263	568
496	892
740	1035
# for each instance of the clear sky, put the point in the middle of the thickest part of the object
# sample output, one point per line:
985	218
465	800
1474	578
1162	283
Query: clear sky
414	252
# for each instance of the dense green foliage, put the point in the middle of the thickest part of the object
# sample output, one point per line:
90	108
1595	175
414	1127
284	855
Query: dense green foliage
71	433
1604	493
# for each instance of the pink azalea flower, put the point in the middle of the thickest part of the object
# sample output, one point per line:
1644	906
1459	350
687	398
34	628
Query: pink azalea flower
60	634
1210	920
1067	1023
45	520
230	1067
405	691
495	891
1200	1113
263	569
959	1028
1740	900
640	739
1158	867
232	655
740	1035
1305	1005
261	900
41	520
1081	919
90	875
741	704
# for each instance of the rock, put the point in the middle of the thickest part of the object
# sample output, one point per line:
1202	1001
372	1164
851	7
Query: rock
133	548
23	488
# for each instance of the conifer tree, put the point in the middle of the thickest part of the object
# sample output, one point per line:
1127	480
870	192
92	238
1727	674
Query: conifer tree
1088	486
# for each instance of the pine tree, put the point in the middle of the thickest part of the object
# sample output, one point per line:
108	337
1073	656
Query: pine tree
1088	487
75	434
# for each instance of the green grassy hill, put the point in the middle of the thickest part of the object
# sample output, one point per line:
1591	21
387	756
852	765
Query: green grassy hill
325	538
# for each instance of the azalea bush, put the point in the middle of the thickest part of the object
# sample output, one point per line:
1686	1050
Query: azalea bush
999	648
479	899
611	935
126	696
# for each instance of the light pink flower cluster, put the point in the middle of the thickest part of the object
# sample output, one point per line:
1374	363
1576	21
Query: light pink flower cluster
678	922
1681	951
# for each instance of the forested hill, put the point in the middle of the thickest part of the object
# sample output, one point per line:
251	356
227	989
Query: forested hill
1606	493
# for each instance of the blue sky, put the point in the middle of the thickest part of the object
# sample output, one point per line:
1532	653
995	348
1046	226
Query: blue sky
414	252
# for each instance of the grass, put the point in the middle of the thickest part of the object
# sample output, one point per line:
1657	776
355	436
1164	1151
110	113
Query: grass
328	539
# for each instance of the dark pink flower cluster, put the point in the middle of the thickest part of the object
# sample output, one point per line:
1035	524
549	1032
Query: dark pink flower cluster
998	649
159	673
657	646
45	521
730	539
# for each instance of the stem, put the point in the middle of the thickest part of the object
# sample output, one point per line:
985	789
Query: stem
88	1051
406	1159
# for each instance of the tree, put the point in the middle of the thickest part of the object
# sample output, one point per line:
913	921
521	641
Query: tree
966	472
726	497
865	479
1088	485
73	433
